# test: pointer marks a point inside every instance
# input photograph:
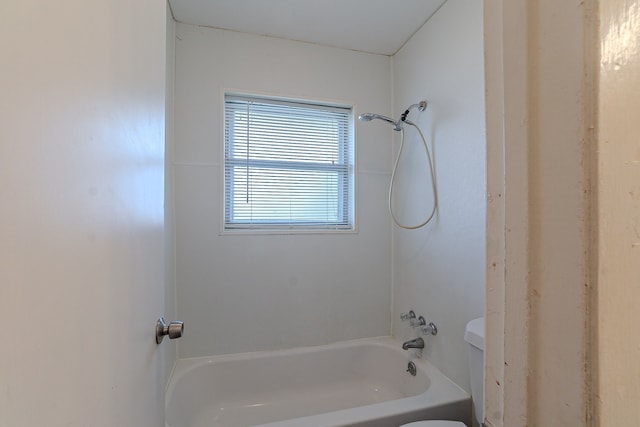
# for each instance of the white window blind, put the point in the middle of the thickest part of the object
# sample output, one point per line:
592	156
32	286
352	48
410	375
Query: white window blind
287	165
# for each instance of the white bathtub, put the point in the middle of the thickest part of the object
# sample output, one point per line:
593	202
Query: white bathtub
353	383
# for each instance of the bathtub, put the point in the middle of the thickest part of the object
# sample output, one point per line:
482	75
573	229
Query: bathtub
352	383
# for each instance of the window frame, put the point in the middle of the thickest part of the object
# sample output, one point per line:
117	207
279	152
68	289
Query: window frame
344	170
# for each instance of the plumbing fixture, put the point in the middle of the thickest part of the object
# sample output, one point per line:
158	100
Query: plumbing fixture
410	316
422	105
429	329
367	117
173	329
414	321
411	368
417	343
398	125
417	322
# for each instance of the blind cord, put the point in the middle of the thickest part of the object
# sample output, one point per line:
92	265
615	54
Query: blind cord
433	181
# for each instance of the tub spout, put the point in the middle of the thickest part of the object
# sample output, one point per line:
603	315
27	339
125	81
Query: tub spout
417	343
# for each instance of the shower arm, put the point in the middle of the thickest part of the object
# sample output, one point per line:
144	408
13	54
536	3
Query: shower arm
422	105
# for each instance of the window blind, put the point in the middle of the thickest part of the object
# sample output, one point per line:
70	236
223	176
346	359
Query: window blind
287	165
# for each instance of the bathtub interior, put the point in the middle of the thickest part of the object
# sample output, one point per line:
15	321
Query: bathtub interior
284	386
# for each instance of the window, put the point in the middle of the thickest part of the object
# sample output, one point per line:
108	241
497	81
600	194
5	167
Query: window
287	165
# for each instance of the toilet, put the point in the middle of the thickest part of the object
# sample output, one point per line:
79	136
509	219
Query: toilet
474	336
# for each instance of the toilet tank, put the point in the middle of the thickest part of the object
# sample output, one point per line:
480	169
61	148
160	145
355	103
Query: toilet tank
474	336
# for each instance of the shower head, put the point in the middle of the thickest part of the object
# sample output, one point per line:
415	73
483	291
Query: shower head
367	117
397	124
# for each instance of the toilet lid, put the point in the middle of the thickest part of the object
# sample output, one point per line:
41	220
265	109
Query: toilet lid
435	423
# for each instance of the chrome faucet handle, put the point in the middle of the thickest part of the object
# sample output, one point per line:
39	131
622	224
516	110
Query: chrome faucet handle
429	329
408	316
418	322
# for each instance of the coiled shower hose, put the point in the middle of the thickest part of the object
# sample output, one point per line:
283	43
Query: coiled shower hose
433	181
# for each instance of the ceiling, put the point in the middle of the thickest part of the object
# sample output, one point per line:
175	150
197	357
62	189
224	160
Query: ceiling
375	26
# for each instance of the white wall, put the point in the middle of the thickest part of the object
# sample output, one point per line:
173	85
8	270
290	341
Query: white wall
439	270
241	293
81	217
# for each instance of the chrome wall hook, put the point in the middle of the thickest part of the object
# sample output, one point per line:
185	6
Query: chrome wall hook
173	329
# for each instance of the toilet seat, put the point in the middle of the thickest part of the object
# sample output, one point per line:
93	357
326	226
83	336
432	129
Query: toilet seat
435	423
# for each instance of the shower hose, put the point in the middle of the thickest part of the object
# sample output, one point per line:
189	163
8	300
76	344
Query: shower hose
433	181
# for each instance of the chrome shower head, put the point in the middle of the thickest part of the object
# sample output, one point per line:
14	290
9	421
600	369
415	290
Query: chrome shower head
367	117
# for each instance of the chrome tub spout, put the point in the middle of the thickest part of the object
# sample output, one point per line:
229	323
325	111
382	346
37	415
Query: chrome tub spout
417	343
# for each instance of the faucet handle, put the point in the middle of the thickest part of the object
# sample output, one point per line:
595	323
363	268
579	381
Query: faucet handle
429	329
408	316
418	322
